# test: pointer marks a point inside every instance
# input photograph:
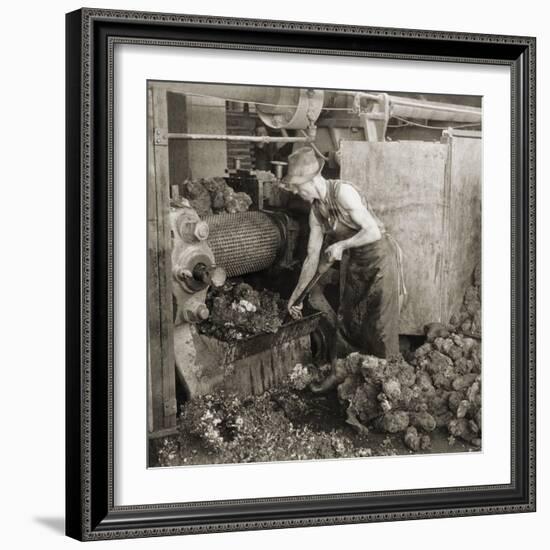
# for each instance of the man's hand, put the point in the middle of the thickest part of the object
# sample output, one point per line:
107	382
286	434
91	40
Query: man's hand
295	311
334	252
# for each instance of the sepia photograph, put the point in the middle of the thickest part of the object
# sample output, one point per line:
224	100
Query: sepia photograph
313	273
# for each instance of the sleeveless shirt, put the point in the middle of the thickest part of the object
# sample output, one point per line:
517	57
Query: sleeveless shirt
329	212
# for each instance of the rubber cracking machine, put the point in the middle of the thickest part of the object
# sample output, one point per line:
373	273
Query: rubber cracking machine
189	253
205	252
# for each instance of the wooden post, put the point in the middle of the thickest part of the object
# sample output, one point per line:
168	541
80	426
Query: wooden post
162	406
463	222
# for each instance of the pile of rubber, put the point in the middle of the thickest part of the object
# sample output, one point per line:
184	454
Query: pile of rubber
276	425
238	311
213	196
433	392
468	319
439	388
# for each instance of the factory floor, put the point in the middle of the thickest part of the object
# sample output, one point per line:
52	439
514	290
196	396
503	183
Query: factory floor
281	425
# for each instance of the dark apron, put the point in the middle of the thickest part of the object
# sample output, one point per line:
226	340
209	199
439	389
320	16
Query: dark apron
371	283
369	298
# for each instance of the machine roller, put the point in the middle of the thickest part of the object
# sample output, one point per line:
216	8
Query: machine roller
245	242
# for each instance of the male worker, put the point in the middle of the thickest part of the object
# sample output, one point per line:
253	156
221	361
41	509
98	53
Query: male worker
264	153
341	222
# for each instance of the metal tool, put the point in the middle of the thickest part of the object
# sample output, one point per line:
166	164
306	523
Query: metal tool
324	265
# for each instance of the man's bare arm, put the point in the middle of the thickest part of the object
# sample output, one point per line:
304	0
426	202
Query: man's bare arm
311	262
350	201
369	232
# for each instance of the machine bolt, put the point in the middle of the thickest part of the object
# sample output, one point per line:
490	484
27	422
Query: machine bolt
196	313
184	274
202	312
218	276
201	231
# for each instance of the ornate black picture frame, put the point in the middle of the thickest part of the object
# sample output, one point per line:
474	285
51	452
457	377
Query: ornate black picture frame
90	510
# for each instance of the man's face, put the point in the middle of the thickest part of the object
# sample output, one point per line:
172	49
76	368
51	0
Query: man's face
304	190
261	131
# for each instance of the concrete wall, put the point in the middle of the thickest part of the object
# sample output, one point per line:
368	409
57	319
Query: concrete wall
196	115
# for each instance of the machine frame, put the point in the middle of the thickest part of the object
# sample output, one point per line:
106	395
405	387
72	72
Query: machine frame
90	510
